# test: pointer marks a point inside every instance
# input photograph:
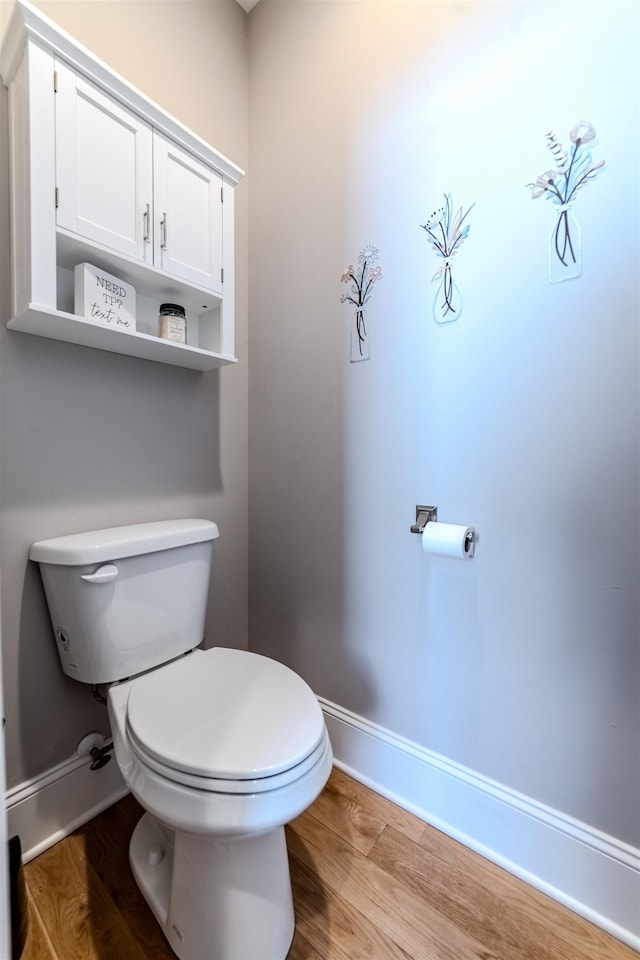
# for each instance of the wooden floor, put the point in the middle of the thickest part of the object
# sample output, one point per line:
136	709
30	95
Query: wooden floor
370	882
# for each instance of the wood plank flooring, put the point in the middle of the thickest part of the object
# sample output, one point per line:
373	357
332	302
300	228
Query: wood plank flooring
370	882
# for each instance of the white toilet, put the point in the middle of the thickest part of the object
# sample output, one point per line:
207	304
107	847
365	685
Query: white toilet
221	747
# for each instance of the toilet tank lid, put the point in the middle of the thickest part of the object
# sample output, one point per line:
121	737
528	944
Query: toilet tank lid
97	546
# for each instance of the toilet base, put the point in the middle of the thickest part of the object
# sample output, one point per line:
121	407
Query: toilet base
216	898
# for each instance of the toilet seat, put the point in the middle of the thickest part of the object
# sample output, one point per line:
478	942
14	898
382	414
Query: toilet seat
261	785
225	721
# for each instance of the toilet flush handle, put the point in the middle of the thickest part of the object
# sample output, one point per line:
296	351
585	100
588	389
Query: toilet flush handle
104	574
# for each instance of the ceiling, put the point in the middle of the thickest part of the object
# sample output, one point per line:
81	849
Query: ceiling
247	4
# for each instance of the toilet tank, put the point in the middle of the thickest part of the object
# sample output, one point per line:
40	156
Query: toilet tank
126	599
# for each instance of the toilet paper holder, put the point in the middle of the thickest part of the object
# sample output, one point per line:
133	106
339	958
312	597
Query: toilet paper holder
423	516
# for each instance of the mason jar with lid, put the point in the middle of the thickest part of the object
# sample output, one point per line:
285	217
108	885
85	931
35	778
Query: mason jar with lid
172	323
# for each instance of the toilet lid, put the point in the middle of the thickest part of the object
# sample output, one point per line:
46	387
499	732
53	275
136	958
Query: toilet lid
225	714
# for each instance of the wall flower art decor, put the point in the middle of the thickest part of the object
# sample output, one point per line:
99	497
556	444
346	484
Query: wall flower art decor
446	232
362	279
573	168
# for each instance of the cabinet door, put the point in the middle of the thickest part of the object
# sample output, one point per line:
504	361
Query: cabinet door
104	168
188	215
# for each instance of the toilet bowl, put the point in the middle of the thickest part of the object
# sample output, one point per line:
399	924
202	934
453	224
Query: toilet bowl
220	747
207	747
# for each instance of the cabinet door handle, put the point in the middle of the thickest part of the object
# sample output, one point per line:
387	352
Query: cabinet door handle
163	232
146	219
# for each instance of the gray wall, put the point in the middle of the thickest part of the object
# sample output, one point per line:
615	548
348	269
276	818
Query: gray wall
90	439
521	418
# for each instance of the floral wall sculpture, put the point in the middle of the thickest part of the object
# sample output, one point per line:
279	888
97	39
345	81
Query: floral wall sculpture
446	232
362	280
573	168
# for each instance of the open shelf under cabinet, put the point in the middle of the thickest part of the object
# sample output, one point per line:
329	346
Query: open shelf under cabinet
70	328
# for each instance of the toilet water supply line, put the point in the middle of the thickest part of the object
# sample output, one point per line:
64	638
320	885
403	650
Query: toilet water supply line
96	694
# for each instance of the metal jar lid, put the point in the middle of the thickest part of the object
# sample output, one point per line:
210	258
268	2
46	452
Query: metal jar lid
172	309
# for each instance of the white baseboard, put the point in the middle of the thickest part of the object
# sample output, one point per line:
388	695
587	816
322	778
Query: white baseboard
51	806
594	874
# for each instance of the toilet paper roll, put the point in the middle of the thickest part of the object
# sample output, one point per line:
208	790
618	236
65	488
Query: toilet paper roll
449	540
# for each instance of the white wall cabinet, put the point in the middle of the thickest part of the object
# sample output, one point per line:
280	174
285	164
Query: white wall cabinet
100	174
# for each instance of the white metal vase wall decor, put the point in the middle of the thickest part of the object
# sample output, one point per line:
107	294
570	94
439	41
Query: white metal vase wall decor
362	279
573	168
446	232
